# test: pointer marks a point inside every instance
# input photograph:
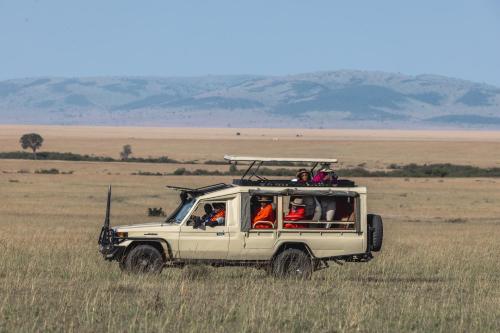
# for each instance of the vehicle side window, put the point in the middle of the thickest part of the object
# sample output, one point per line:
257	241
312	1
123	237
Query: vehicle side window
263	211
319	212
210	214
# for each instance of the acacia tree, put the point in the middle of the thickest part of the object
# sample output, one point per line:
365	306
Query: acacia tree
31	140
126	152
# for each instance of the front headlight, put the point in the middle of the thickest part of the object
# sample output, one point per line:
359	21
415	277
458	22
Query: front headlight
121	234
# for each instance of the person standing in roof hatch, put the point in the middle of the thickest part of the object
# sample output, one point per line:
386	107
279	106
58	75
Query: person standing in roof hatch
325	176
303	176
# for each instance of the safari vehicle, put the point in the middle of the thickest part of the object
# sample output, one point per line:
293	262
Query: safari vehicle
281	247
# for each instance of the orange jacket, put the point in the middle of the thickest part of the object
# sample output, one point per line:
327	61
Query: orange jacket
221	213
265	213
296	214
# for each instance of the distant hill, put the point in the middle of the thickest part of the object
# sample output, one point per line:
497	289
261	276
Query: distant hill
322	99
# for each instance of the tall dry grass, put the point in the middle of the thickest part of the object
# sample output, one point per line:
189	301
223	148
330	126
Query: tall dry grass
438	270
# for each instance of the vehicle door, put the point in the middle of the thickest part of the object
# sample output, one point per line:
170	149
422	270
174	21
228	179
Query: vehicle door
210	239
248	242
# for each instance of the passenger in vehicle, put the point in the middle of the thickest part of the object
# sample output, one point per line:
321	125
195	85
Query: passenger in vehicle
219	215
265	213
303	176
297	213
346	211
209	212
310	207
328	207
325	176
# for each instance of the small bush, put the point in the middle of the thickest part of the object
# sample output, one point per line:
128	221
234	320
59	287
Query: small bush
52	171
212	162
156	211
456	220
179	171
146	173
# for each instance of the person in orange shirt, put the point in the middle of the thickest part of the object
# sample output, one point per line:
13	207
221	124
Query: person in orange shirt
219	215
265	213
296	213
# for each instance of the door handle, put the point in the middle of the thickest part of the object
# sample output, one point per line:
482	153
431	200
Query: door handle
221	233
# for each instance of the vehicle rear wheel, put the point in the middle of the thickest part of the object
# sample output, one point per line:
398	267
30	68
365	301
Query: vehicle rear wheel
143	259
292	263
377	231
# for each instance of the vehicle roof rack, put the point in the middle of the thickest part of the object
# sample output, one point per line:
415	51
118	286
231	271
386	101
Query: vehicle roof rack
233	158
259	161
200	190
290	183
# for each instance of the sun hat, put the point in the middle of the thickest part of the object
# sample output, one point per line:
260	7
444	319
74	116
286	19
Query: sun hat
297	202
301	171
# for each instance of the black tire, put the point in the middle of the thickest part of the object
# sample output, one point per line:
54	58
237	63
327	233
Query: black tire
143	259
377	232
292	263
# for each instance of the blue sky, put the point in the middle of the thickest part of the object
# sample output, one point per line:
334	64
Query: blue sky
187	38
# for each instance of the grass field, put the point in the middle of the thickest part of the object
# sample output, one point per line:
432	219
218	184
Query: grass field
438	270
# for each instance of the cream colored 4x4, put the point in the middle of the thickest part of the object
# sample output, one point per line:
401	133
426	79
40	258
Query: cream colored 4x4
216	225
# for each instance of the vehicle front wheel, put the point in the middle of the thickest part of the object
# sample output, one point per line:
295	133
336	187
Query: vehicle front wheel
292	263
143	259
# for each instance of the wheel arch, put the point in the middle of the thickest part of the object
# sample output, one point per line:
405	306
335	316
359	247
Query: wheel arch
303	246
160	244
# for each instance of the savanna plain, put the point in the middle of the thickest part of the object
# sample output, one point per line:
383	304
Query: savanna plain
438	271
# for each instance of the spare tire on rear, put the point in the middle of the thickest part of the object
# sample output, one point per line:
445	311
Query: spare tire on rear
376	232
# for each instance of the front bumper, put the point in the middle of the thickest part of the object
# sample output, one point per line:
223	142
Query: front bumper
108	245
111	252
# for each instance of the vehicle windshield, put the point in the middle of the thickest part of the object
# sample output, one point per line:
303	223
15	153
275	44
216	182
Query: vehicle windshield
182	212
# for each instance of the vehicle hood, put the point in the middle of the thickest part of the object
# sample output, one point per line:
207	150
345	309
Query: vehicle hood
156	226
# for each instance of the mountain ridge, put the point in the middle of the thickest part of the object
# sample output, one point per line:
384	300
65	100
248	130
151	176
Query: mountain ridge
343	98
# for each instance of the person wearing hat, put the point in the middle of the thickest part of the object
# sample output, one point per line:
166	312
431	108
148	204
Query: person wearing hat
325	176
297	212
303	176
265	213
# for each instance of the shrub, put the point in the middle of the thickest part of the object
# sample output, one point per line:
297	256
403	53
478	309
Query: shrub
156	211
52	171
179	171
146	173
56	156
212	162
